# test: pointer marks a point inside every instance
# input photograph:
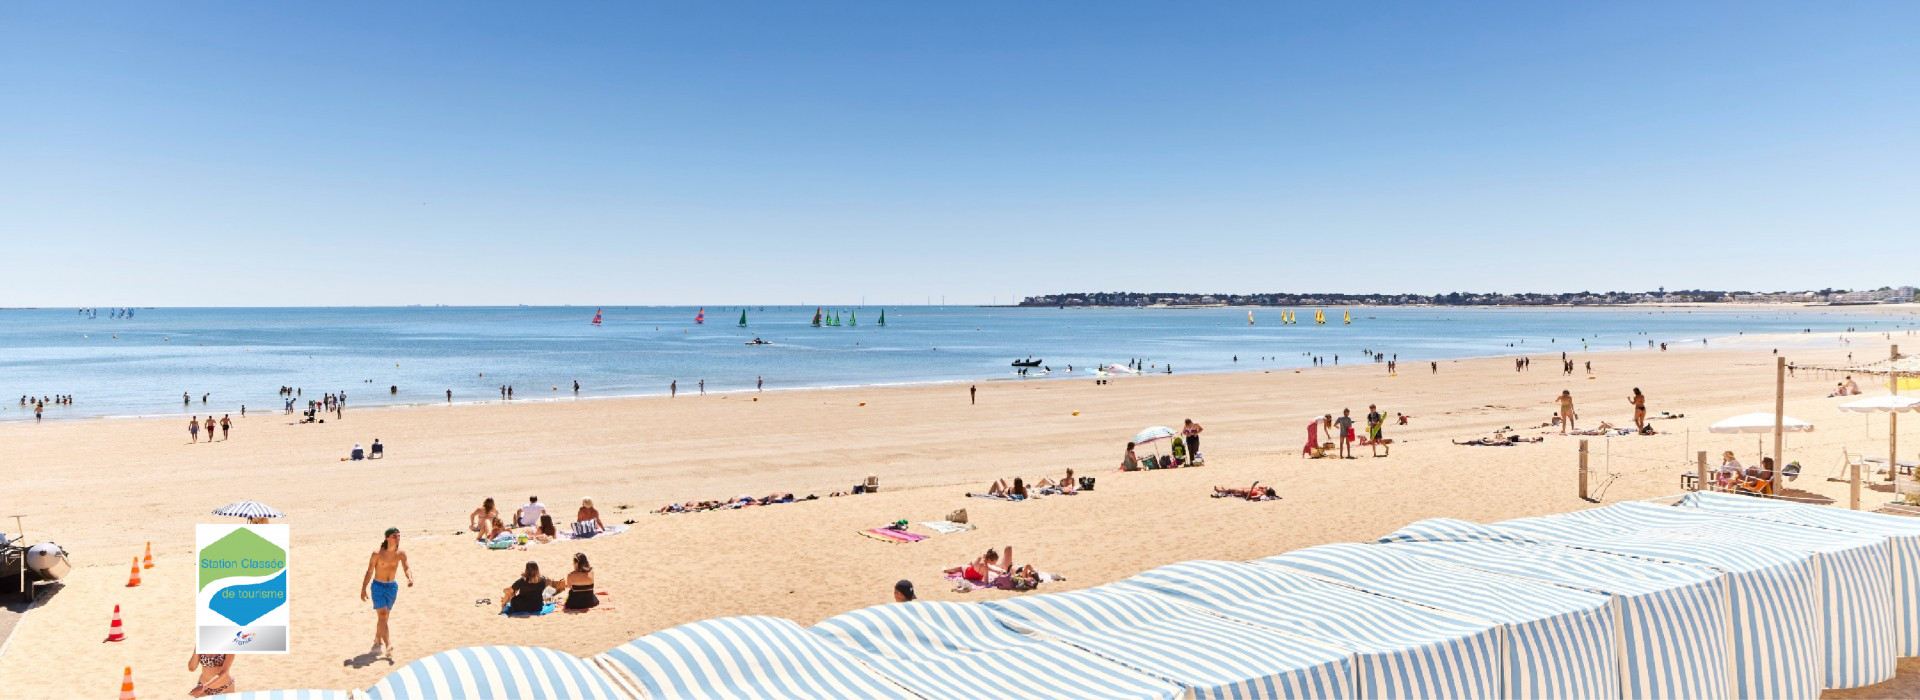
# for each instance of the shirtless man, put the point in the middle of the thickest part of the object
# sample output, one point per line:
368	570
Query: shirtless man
380	570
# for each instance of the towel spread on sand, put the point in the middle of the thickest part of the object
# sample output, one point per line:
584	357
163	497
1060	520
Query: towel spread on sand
606	531
544	609
946	527
886	534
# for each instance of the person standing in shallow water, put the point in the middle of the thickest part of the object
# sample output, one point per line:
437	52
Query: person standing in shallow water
673	388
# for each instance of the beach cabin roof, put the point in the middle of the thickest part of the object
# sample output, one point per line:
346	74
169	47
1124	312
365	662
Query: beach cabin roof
743	657
292	695
1902	535
1396	649
944	650
1211	656
1559	642
1674	623
496	673
1839	583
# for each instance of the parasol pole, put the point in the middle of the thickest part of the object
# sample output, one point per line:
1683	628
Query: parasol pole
1893	419
1779	416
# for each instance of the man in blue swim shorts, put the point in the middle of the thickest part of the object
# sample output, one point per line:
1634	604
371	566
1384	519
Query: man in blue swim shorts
380	583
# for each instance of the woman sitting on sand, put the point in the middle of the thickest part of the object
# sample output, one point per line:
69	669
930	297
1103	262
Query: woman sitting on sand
1758	480
981	570
580	595
1128	462
1251	493
491	529
477	520
588	514
545	531
526	594
216	674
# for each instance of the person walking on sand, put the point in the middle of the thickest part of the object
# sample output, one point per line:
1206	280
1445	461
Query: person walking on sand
1376	428
1344	431
1191	433
1639	402
973	394
208	426
380	586
226	424
1566	410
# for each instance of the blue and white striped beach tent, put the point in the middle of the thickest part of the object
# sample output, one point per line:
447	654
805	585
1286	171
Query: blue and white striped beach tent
495	673
1903	535
1558	642
1674	619
743	657
1835	584
1398	649
961	651
1211	656
292	695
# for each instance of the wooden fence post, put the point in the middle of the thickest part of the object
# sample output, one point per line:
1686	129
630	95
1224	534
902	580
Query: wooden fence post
1853	487
1700	474
1583	470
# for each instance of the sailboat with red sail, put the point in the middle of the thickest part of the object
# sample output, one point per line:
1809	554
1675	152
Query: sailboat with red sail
701	317
596	317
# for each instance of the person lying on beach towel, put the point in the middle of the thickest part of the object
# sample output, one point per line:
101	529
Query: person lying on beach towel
1499	441
993	570
1000	489
1251	493
1065	486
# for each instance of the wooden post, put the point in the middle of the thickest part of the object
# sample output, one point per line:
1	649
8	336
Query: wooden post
1853	488
1700	476
1583	470
1779	417
1893	421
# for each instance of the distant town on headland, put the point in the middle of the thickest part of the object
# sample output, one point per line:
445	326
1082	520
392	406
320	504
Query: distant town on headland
1883	295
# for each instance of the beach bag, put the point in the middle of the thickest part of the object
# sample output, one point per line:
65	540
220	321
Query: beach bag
582	530
1086	483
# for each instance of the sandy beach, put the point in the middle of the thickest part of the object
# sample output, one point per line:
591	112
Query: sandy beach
104	488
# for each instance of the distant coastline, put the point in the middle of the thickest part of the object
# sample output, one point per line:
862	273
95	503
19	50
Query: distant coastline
1823	297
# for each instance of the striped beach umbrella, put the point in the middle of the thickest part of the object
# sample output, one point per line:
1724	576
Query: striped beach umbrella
955	650
1902	534
744	657
1209	655
1399	650
1674	622
1153	434
1826	594
496	673
1557	642
249	509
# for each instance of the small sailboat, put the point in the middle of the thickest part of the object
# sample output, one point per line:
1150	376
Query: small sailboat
816	317
1346	317
701	317
743	318
596	317
883	317
1249	318
1319	316
851	321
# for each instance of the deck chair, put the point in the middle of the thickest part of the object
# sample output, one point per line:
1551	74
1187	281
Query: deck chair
873	484
1848	460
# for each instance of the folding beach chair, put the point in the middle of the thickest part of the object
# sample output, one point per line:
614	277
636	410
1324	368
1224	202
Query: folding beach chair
1849	460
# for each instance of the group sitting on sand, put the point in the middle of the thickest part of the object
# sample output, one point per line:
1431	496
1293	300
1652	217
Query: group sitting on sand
1846	388
993	570
486	523
527	594
1018	490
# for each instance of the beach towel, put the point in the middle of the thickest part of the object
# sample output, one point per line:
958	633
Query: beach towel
993	497
946	527
887	534
605	531
544	610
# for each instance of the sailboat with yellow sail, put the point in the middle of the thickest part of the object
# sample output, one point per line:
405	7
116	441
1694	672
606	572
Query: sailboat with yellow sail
1346	317
1319	316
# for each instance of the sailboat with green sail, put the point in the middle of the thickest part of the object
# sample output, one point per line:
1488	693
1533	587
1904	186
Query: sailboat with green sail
851	320
743	318
883	317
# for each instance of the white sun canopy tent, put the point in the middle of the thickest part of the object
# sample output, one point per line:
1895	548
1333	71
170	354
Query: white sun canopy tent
1556	642
1902	534
744	657
1839	583
496	673
1398	650
1674	619
1211	656
961	651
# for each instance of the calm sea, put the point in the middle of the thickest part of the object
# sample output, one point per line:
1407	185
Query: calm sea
141	366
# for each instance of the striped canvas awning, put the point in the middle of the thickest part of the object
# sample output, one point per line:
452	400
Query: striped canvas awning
291	695
1398	649
1211	656
495	673
961	651
1841	583
1559	642
1674	618
1902	534
744	657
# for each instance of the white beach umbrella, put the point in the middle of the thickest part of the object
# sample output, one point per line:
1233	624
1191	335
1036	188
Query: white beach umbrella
1759	423
249	509
1882	404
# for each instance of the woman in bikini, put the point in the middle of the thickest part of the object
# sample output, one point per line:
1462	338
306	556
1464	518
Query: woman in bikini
545	532
477	520
1566	410
216	674
1639	402
1192	434
580	595
981	570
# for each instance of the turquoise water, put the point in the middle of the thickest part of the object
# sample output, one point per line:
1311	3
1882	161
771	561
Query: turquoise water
140	366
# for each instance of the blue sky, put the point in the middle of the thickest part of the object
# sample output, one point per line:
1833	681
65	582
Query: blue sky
203	153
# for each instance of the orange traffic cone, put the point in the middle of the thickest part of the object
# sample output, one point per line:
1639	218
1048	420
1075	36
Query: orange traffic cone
135	580
147	563
126	685
114	633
